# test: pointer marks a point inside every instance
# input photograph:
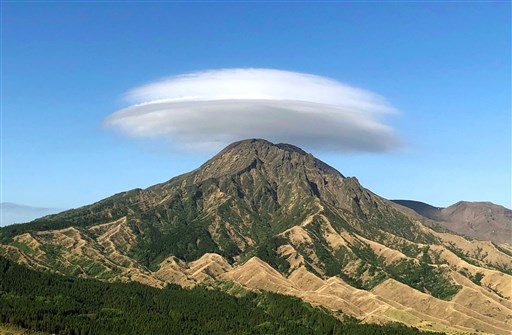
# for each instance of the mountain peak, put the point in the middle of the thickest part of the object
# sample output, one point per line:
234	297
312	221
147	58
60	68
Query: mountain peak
275	161
258	143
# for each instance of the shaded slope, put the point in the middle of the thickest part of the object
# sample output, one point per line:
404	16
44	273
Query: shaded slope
428	211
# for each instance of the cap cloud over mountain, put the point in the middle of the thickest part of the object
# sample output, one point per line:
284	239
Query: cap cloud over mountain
208	109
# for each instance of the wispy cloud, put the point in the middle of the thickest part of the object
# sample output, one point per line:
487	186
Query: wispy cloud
212	108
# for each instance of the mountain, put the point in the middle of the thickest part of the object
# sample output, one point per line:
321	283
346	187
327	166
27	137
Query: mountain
15	213
480	220
272	217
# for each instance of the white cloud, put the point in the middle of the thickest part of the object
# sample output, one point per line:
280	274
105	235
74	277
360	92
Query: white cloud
213	108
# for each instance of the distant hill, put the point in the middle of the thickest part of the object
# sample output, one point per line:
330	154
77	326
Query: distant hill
272	217
426	210
15	213
479	220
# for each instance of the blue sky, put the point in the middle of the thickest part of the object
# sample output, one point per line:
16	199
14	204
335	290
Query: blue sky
444	66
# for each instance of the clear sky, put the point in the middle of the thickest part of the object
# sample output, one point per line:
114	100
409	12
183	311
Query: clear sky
446	67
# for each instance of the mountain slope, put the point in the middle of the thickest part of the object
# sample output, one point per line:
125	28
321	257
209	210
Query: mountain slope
62	305
424	209
259	214
481	220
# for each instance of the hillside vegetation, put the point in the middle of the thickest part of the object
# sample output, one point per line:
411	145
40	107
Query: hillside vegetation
60	305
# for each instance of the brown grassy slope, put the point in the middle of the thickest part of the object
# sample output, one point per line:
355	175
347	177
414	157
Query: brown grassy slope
7	329
480	220
473	308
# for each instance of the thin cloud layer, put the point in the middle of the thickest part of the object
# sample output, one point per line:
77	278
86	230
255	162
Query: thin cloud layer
210	109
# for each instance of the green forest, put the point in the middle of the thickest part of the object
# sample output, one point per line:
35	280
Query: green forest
55	304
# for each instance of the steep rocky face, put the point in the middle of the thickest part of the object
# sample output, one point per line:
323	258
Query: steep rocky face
273	211
481	220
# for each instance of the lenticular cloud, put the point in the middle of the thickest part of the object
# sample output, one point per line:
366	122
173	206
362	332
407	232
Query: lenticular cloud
213	108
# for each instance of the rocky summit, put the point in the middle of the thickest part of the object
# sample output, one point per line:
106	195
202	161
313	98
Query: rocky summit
271	217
